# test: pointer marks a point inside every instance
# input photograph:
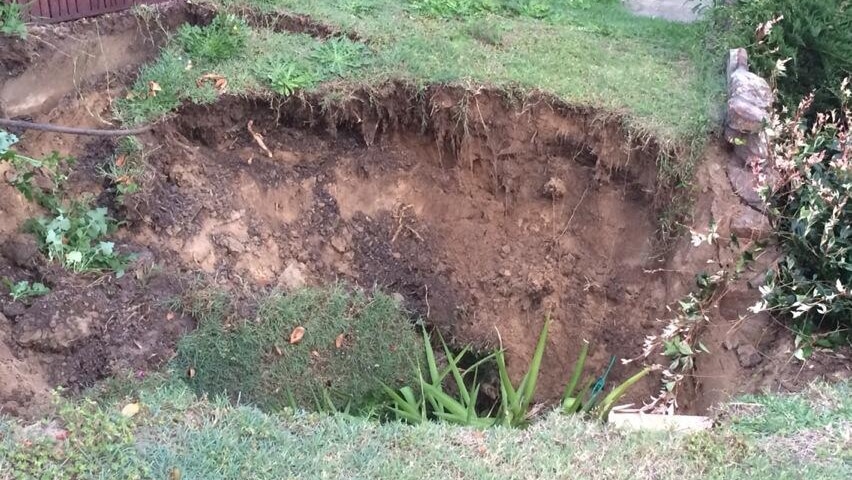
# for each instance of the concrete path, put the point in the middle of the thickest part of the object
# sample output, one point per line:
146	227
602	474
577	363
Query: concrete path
675	10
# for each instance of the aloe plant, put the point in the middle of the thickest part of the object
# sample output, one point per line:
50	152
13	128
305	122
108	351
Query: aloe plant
432	401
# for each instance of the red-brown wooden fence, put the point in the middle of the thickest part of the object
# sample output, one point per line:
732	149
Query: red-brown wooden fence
49	11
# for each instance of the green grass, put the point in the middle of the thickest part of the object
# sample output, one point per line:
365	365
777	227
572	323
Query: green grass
654	73
253	359
177	434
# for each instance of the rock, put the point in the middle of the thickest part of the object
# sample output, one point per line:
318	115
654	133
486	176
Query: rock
750	88
748	356
506	273
292	277
554	188
398	298
232	244
59	333
745	185
14	309
21	250
338	244
737	60
745	116
749	224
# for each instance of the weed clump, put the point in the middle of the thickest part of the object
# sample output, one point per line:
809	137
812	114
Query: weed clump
73	233
12	20
224	38
313	348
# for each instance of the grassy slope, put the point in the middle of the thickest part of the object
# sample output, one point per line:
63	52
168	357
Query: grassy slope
655	72
801	436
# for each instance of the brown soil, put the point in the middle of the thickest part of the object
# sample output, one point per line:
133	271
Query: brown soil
485	211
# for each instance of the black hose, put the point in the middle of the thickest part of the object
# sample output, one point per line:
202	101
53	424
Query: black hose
46	127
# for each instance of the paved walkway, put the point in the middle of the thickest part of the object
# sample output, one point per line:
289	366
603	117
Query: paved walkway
676	10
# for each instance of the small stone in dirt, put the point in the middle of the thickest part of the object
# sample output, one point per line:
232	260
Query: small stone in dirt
398	298
292	277
555	188
14	309
748	355
20	250
338	244
749	224
506	249
506	273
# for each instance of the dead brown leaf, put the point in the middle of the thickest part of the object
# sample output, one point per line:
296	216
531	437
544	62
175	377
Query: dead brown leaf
338	342
258	139
190	372
174	474
296	335
220	83
278	350
153	88
170	316
120	160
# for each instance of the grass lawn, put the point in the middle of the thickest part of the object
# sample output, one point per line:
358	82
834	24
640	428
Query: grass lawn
656	74
176	434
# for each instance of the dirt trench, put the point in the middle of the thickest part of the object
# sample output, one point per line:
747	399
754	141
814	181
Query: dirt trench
485	210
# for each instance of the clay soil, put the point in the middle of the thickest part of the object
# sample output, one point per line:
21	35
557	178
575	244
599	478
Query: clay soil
486	212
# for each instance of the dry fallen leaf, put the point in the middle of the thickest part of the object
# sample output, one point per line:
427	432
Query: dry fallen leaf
190	372
278	350
130	410
315	354
338	342
153	88
258	138
174	474
220	83
296	335
120	160
170	316
60	435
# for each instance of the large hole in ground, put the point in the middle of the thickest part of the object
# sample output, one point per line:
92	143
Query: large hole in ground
485	217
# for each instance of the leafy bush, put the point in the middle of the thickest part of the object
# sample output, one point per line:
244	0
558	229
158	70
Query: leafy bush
73	232
24	290
308	349
224	38
73	236
816	35
12	20
812	211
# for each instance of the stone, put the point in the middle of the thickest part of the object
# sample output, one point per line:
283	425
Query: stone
746	117
737	60
21	250
292	277
339	244
554	188
14	309
744	183
749	224
60	333
398	298
748	356
750	88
